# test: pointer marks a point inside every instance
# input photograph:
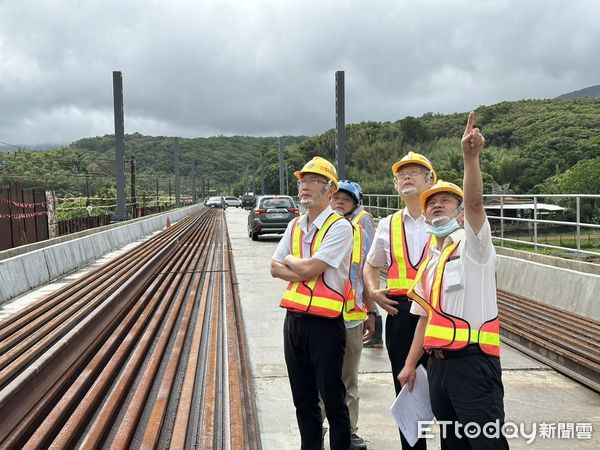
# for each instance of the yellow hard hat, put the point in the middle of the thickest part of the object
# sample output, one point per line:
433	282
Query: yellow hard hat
440	186
320	166
414	158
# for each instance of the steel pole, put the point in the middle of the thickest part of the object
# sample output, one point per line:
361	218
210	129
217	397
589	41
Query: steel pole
119	145
340	125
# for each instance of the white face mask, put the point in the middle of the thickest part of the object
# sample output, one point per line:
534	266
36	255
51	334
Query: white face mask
443	230
444	225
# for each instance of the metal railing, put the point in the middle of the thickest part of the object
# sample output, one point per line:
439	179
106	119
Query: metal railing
533	217
374	203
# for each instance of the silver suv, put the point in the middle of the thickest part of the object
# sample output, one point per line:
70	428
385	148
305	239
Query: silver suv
271	214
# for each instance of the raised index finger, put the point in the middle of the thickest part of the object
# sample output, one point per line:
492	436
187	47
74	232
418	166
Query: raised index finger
470	123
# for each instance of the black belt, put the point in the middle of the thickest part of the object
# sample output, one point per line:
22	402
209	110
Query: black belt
469	350
299	315
399	298
403	302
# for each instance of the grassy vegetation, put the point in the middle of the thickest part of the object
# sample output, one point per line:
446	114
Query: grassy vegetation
589	241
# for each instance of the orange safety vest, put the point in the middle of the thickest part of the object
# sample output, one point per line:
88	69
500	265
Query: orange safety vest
401	272
356	266
314	296
448	332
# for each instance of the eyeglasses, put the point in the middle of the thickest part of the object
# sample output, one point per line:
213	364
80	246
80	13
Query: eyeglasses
310	182
410	173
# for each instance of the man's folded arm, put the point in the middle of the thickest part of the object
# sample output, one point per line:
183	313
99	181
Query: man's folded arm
280	270
306	268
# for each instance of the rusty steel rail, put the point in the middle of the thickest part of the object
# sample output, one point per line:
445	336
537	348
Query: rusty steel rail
567	342
146	351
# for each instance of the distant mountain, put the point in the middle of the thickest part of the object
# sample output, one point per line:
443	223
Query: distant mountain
42	147
592	91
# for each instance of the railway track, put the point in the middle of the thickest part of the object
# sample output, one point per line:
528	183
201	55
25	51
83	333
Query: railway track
567	342
146	351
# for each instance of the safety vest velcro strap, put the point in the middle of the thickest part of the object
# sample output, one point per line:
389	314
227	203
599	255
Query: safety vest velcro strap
439	332
396	292
484	337
463	335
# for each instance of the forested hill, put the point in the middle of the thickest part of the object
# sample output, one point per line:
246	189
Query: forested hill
225	158
66	169
527	143
531	146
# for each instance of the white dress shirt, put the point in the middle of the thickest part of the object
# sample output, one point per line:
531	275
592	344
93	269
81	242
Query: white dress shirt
416	238
469	283
335	249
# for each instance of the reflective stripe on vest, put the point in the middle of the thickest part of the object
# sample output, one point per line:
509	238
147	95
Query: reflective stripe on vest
314	296
356	220
401	272
450	332
356	265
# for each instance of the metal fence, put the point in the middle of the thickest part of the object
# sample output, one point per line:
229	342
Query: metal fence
527	220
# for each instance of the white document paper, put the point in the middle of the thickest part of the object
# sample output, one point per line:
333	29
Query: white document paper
411	407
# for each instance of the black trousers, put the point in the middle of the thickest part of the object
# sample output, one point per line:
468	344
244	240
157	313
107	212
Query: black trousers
314	355
467	389
399	332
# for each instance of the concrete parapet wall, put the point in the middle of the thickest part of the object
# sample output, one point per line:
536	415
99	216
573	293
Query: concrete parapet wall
56	257
573	290
564	263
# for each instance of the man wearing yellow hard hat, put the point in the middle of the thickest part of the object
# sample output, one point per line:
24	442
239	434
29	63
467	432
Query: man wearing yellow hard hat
401	243
314	257
454	295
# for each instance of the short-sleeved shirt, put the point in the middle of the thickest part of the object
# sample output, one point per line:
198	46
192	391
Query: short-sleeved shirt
469	282
416	238
335	250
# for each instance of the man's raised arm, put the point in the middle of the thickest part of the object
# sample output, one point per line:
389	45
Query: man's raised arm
472	144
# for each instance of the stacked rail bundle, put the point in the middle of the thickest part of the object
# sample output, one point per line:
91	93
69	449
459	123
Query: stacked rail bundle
147	351
565	341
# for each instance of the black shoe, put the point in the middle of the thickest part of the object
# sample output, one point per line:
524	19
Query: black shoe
357	443
373	343
376	340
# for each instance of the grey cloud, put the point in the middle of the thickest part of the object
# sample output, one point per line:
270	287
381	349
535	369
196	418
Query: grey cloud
267	67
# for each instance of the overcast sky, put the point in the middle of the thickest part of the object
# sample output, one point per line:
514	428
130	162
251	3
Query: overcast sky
267	67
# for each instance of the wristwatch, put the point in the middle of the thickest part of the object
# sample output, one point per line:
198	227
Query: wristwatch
371	313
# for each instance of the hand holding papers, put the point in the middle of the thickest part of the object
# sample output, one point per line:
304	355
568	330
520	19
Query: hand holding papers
411	407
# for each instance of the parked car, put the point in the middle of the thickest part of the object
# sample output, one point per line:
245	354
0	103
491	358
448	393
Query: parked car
233	201
248	200
216	202
271	214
